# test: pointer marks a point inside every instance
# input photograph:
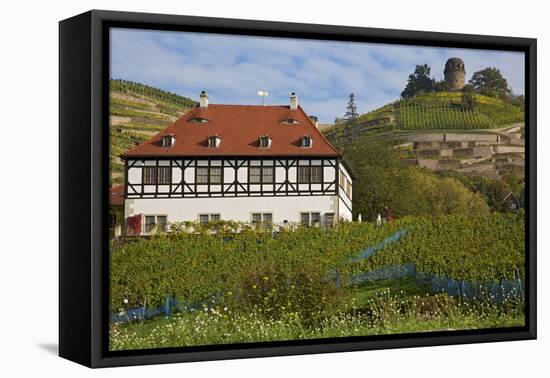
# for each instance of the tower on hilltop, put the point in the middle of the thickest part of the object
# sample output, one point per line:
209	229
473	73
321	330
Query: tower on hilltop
455	73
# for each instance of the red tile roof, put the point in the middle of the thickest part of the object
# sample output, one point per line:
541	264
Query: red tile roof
116	195
239	127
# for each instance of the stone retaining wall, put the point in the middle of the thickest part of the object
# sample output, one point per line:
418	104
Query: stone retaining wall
483	151
509	149
487	154
449	137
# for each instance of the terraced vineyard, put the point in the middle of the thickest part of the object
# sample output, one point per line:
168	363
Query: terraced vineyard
137	112
480	136
484	248
430	111
436	111
384	111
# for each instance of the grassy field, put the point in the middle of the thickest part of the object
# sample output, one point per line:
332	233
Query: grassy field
283	288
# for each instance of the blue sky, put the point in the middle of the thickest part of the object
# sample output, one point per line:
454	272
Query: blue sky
322	73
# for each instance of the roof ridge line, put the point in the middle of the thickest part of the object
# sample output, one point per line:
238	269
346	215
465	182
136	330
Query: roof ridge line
255	105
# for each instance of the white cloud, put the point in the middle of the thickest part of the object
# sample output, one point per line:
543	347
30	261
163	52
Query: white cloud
323	73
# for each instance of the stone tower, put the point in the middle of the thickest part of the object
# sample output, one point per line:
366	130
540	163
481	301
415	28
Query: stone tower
455	73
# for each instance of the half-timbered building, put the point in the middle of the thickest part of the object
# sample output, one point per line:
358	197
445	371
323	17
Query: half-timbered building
268	165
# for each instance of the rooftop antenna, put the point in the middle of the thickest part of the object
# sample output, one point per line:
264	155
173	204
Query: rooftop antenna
264	94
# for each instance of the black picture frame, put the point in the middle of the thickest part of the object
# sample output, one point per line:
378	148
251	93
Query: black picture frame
83	181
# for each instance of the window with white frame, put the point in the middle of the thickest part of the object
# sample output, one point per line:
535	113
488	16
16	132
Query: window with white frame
205	218
307	174
316	174
209	175
157	175
329	220
306	142
199	120
268	174
261	175
167	141
202	175
348	188
264	141
263	220
255	175
214	141
310	219
155	222
215	175
303	174
164	175
161	222
291	121
149	175
149	223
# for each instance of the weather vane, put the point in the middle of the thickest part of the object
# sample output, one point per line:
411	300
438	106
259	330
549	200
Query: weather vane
264	94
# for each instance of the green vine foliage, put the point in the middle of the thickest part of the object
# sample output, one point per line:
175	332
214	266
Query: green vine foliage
250	269
484	248
295	272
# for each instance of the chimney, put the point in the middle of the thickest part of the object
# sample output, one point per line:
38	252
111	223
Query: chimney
293	101
315	120
203	100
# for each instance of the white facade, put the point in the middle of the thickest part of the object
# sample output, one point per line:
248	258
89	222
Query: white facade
282	210
345	194
183	189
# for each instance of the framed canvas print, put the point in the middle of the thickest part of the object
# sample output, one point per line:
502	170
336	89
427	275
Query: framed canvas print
234	188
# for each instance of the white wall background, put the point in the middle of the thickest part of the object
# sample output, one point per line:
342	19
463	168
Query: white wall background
28	265
233	208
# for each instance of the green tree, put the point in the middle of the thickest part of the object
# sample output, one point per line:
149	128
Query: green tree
338	120
351	114
490	82
438	196
441	86
382	179
419	82
517	100
493	191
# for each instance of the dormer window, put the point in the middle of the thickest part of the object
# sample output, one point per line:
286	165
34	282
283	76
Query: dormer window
167	141
291	121
264	141
306	142
214	141
199	120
